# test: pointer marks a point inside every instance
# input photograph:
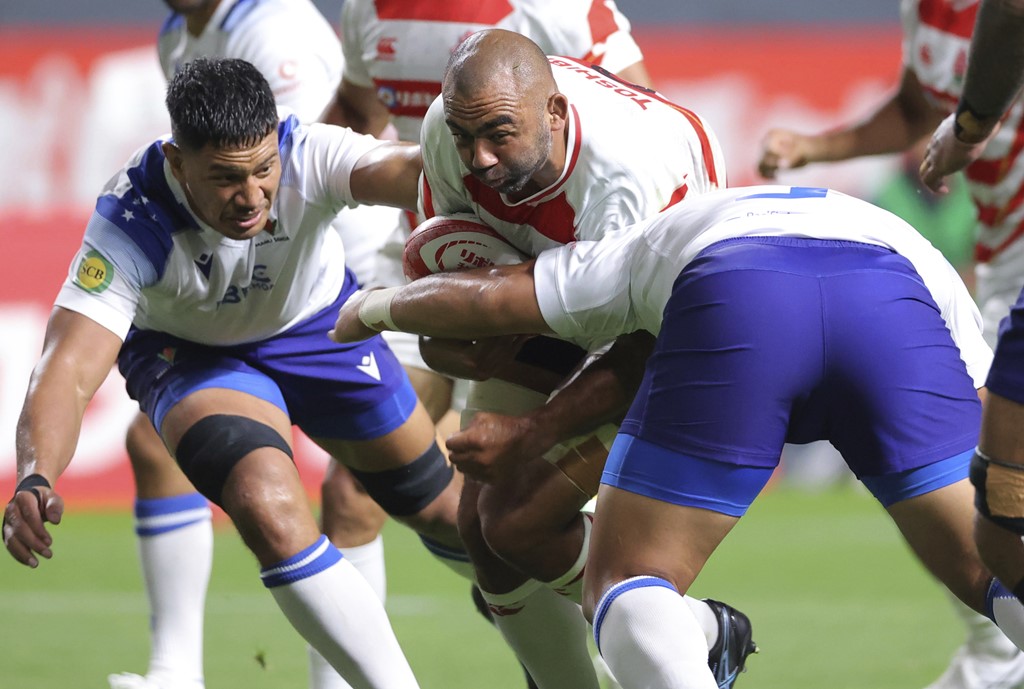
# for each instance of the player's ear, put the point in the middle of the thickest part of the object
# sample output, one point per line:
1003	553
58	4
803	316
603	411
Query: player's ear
174	157
558	110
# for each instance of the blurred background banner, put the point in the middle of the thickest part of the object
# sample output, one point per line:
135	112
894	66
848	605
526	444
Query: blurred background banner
77	99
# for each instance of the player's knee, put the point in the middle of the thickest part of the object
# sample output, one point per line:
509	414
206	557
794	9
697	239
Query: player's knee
210	449
516	538
411	492
996	494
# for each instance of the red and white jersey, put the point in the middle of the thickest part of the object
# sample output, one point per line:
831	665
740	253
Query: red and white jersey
292	45
936	40
393	45
629	154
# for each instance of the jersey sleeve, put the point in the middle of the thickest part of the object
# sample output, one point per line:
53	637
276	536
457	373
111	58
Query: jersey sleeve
301	61
593	31
442	191
354	20
321	158
106	277
583	289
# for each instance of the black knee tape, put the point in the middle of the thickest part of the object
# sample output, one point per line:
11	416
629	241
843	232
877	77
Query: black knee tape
212	447
980	476
407	490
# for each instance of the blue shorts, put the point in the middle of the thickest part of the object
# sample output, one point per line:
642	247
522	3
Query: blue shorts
773	340
1006	376
355	391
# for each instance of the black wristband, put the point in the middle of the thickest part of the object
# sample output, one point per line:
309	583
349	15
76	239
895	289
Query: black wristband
32	481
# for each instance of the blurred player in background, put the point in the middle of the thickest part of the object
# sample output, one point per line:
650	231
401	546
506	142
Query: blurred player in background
206	273
782	314
546	151
936	41
297	51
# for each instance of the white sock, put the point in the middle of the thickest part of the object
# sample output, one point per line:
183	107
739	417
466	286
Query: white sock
368	559
336	611
706	618
570	584
650	638
1007	612
176	553
548	634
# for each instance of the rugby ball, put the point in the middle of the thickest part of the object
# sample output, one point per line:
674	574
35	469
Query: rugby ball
455	242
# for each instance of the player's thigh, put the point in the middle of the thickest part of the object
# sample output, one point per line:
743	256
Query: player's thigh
156	473
939	527
636	535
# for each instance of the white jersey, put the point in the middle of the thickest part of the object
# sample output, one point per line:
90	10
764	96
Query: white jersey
401	48
630	153
936	41
288	41
147	260
623	282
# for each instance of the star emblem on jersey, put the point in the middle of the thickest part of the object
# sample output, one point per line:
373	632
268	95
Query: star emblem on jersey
369	366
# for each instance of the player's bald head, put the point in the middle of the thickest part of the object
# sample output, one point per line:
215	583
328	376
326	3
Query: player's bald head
498	61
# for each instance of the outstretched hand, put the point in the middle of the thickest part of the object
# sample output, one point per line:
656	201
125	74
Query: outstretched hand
492	445
947	154
24	532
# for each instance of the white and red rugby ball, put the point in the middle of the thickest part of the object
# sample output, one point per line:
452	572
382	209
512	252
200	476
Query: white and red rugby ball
455	242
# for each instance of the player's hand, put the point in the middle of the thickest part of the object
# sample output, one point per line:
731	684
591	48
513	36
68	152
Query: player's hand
24	532
471	360
348	327
947	154
782	149
493	445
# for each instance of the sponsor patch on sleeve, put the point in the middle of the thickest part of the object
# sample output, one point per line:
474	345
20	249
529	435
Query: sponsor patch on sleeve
94	272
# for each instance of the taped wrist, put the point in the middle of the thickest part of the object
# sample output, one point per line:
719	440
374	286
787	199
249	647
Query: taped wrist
999	491
970	126
31	482
375	311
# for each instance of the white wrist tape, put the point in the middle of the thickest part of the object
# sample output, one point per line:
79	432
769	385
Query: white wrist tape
375	311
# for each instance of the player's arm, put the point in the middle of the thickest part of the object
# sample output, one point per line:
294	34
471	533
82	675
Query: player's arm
388	175
602	392
358	108
995	76
466	305
899	122
77	356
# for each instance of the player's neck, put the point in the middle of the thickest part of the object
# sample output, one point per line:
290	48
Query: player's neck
197	20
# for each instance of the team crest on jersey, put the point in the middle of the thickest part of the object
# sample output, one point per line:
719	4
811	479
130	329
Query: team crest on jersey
94	272
386	48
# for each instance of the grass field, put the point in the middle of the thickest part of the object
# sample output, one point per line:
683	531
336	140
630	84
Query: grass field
835	598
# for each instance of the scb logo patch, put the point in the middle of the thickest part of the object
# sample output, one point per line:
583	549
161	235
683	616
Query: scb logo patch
94	272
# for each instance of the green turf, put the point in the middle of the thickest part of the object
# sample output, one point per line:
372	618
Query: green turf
836	600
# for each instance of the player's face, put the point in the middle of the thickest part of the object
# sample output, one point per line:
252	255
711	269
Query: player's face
503	141
230	189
